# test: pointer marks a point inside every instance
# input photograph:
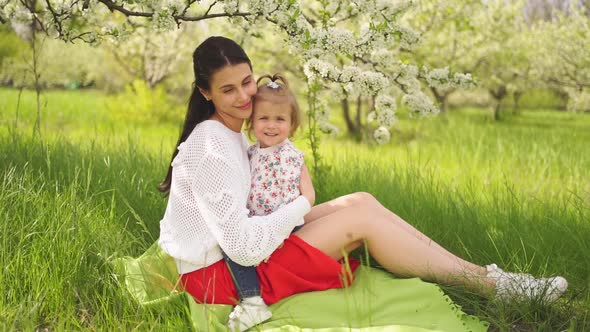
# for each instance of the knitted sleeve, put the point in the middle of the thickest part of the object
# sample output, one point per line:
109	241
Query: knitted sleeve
247	241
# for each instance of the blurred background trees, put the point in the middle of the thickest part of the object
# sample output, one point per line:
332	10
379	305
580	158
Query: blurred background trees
520	54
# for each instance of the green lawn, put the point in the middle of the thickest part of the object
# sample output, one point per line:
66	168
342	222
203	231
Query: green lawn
516	193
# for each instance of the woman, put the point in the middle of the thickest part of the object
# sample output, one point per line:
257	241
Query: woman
208	184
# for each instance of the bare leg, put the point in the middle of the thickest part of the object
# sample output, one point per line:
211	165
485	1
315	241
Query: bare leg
395	246
354	199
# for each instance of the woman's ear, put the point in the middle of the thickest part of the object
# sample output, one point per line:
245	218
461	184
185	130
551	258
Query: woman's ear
205	94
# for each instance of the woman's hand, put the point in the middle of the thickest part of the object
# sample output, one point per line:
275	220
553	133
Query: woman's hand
306	186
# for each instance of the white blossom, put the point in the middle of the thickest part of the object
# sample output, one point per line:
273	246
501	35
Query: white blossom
163	20
371	82
382	135
385	102
382	57
349	73
175	6
463	81
419	104
408	37
341	40
315	67
230	6
331	40
16	13
327	128
438	78
386	118
368	38
263	7
322	112
352	9
349	88
408	77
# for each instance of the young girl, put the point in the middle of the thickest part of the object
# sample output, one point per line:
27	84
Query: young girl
275	166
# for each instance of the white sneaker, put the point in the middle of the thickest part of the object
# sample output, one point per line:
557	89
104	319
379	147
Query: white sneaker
250	312
521	286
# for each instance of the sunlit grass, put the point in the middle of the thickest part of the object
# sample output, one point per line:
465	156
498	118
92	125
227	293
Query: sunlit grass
515	193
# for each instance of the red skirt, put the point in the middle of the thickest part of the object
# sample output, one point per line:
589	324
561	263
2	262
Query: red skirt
294	268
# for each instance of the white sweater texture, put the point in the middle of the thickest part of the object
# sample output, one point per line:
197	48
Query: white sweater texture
206	209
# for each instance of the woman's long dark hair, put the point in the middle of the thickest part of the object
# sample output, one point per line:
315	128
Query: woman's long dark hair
212	55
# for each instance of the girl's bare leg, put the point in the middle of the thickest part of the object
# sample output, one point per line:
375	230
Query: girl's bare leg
391	243
350	200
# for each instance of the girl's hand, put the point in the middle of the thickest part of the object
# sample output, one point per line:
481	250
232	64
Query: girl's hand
306	186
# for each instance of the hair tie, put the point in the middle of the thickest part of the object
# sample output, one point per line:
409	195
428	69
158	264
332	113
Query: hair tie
273	85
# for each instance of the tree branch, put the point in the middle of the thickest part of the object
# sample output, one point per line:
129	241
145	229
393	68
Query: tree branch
181	17
56	18
208	9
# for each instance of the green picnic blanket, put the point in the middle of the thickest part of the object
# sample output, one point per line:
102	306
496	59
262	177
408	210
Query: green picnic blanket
376	301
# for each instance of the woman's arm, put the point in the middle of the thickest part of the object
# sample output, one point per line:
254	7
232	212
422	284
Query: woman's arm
218	190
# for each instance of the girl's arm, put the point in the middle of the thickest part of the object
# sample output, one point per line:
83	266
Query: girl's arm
306	186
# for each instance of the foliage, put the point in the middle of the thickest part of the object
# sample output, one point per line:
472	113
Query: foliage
62	65
144	104
10	44
504	53
363	52
321	33
448	38
152	55
566	64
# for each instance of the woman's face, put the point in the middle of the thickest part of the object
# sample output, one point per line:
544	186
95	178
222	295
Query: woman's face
231	91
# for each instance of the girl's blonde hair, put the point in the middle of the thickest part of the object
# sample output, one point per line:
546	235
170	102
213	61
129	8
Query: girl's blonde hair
277	91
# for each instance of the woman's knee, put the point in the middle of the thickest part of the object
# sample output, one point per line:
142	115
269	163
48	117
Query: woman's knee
366	199
362	197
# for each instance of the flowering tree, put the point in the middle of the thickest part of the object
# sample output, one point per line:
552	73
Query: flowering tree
337	53
449	37
503	53
565	64
150	55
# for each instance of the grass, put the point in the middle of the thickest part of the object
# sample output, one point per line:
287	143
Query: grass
516	193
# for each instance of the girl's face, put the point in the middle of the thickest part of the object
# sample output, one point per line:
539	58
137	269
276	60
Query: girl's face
231	91
271	122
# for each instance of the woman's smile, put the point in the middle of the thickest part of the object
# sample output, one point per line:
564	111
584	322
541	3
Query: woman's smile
246	107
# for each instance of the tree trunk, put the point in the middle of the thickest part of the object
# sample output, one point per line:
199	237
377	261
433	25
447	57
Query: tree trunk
497	109
498	94
441	98
516	99
36	74
561	94
359	112
350	126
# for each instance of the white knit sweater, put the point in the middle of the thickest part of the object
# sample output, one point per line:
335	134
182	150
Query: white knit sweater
207	211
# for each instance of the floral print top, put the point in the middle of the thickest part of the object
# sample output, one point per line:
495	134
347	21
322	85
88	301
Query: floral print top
275	172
